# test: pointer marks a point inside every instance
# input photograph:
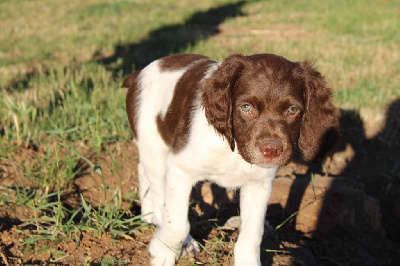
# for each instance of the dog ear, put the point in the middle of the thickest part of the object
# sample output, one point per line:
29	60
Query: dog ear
217	96
319	129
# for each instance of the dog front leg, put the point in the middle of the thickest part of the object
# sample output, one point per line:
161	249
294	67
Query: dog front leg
254	197
166	243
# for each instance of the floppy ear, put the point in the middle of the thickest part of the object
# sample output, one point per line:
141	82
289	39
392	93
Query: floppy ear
319	129
217	96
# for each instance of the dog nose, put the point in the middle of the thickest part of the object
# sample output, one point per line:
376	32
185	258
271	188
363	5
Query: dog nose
271	149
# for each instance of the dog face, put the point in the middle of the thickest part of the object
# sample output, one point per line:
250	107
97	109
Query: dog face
267	105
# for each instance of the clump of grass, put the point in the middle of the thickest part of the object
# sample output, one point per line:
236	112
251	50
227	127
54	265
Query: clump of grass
55	223
17	196
213	246
48	170
111	261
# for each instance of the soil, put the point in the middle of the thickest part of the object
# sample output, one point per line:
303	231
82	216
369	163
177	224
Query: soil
348	208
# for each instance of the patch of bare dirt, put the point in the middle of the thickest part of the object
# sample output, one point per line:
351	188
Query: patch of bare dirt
348	213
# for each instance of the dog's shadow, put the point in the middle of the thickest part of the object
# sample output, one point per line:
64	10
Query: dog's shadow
211	206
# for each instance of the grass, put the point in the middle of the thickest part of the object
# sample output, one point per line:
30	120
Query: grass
55	223
63	224
63	62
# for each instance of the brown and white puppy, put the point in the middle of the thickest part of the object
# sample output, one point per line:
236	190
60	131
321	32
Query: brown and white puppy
234	123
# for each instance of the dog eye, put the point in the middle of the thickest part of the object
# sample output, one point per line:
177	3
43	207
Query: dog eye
246	108
291	111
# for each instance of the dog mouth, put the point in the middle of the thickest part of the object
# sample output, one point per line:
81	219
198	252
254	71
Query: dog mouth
268	153
268	163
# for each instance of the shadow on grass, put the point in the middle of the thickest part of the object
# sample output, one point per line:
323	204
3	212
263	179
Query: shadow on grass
171	39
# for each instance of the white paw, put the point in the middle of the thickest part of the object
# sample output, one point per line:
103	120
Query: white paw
248	260
161	254
246	255
190	248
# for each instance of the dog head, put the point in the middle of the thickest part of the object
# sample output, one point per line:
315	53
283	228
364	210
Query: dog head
267	105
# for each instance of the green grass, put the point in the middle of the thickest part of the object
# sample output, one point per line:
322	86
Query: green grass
56	223
62	64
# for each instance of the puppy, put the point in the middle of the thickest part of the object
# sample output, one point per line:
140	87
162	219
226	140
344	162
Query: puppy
234	123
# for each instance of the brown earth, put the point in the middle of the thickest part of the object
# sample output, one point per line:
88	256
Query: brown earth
348	214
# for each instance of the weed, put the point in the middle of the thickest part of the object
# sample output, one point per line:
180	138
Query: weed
217	241
87	261
56	255
12	197
111	261
296	212
216	245
312	185
212	254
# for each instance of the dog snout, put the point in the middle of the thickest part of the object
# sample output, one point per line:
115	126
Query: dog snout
271	149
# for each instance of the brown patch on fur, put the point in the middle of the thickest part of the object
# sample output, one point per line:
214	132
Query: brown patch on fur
175	125
178	61
131	82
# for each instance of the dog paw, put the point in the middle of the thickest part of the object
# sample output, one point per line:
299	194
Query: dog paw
246	253
161	253
190	248
246	256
